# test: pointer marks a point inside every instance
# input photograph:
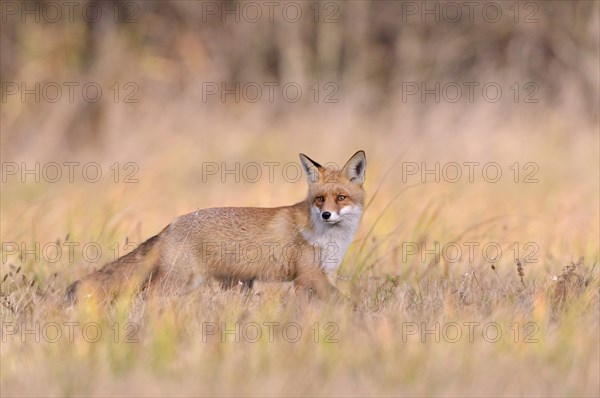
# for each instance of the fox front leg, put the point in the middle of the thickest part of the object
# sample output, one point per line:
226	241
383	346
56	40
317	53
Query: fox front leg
316	282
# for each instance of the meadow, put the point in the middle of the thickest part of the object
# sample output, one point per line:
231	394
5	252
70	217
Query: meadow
419	319
474	271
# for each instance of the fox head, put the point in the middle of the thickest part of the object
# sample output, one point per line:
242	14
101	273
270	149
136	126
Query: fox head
336	196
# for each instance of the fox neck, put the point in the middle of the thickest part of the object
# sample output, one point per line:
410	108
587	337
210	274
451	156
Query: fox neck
332	240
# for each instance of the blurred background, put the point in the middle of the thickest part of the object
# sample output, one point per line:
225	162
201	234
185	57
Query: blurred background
175	53
155	91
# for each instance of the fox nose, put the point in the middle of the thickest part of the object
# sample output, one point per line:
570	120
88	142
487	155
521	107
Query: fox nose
326	215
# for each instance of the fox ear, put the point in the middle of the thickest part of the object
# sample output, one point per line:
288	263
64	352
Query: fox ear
311	168
355	167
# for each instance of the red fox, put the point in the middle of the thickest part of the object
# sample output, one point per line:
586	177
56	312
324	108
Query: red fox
304	243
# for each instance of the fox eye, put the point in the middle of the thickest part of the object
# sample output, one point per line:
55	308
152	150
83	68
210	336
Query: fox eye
341	197
320	199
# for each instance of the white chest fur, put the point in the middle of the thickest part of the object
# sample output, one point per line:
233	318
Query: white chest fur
333	240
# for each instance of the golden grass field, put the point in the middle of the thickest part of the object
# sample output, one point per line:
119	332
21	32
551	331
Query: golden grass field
375	344
515	313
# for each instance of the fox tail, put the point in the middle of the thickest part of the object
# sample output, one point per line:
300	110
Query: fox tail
135	270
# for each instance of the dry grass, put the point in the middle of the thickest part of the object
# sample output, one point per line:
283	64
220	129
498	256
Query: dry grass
548	319
372	345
